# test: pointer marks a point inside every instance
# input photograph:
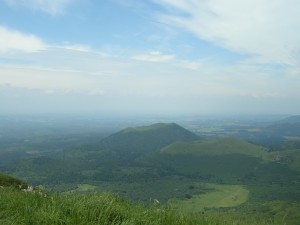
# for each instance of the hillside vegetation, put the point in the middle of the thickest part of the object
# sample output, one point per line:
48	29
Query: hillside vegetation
8	181
288	157
36	208
216	147
222	181
155	126
147	138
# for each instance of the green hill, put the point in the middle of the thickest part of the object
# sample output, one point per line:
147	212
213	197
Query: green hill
110	159
288	127
290	119
274	134
215	147
287	157
148	138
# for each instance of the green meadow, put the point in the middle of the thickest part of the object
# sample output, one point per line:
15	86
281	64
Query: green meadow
218	196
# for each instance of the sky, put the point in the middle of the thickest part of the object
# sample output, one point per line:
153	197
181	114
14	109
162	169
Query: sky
150	56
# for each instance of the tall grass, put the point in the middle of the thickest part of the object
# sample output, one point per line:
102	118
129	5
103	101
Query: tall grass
38	208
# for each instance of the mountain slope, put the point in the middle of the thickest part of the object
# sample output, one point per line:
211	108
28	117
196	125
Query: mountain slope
9	181
147	138
107	159
274	134
291	119
215	147
289	126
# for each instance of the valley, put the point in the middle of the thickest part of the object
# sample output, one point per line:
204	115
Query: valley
231	173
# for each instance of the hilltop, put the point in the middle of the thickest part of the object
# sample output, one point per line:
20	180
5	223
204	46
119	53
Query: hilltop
148	138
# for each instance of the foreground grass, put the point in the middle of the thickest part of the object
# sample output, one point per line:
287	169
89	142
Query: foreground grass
36	208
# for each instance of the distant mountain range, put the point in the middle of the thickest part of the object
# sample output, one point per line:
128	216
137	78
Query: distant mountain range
275	134
291	119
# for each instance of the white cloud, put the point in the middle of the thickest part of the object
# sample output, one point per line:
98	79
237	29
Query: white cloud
267	30
53	7
154	56
77	47
61	73
49	80
61	70
11	40
78	70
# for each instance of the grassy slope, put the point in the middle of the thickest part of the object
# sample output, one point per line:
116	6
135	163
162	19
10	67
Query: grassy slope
8	181
216	147
289	157
219	196
295	164
287	211
229	146
35	208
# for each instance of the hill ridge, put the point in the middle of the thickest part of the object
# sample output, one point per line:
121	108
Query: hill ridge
221	146
147	127
290	119
151	137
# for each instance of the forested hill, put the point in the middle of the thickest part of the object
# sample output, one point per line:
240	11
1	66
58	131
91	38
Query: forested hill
286	127
277	133
107	159
291	119
147	138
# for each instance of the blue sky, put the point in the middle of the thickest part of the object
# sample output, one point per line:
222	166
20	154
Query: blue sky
152	56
